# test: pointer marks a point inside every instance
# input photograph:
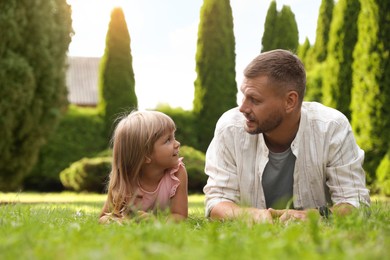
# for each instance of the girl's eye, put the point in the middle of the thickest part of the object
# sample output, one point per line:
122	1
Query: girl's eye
169	139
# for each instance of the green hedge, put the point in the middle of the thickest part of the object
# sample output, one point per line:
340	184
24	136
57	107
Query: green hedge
91	174
185	124
194	161
79	135
35	36
383	176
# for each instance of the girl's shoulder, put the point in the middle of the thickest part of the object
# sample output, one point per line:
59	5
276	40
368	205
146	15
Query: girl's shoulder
180	171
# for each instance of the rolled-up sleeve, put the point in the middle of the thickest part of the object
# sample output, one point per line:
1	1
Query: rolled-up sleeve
345	175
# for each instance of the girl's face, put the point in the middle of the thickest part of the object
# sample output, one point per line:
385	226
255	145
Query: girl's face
166	151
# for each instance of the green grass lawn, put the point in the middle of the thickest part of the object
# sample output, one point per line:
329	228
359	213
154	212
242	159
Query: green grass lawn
64	226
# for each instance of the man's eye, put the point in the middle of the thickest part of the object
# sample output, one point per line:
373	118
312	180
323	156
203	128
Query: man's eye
255	101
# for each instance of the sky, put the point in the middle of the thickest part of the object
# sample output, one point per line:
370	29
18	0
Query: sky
163	37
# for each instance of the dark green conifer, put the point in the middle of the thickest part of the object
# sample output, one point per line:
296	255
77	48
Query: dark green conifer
280	29
215	85
269	35
116	83
35	36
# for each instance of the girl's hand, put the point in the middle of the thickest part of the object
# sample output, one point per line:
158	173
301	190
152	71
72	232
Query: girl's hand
142	215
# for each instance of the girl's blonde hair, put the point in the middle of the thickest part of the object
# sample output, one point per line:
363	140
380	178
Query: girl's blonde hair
133	141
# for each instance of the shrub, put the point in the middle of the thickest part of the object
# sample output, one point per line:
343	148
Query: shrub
314	82
35	37
382	174
91	174
185	122
79	135
87	174
194	161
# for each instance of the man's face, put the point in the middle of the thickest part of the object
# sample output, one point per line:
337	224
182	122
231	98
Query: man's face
262	106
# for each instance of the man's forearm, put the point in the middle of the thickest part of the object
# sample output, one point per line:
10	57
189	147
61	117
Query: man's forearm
225	210
228	211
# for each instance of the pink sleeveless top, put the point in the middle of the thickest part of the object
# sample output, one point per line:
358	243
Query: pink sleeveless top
159	199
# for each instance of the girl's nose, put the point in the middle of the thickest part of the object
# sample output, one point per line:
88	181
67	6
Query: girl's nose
177	143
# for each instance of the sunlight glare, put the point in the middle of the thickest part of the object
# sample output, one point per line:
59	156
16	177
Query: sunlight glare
90	32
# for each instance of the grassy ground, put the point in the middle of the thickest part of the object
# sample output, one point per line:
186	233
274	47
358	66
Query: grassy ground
64	226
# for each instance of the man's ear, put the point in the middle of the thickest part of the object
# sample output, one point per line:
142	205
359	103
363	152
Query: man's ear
291	101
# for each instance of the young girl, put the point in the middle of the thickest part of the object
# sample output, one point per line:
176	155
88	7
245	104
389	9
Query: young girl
147	174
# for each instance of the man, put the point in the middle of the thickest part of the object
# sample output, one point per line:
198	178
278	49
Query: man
276	152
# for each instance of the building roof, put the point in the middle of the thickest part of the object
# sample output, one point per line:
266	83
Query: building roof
82	80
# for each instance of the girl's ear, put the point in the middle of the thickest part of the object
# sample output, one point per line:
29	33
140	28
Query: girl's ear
147	160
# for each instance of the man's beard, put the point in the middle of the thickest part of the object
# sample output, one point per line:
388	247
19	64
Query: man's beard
270	123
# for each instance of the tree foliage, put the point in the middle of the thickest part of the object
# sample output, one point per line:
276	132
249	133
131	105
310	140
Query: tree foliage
116	83
215	85
78	135
337	85
304	50
383	176
35	36
314	58
371	81
323	28
280	29
269	34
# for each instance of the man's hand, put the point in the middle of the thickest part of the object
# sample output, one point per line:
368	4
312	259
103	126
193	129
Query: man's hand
229	211
260	215
285	215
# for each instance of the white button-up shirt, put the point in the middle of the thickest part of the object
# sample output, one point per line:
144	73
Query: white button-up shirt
328	167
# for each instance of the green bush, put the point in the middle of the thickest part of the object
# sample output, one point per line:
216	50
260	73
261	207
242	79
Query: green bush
87	174
185	122
194	161
35	37
314	82
79	135
91	174
383	175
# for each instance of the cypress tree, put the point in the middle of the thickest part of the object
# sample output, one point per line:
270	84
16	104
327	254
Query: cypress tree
269	35
280	29
287	30
35	36
336	91
371	81
314	75
304	50
116	79
315	57
215	85
323	28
